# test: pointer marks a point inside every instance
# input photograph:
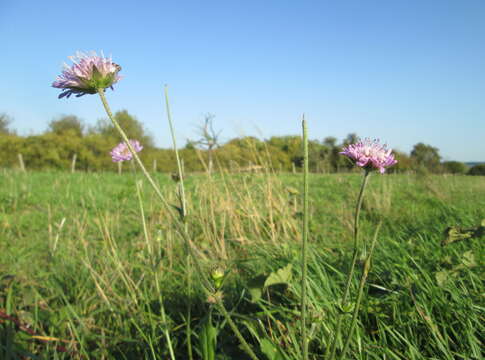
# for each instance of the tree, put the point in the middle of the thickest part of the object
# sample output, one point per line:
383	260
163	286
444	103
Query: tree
67	124
5	122
351	138
130	124
478	170
426	156
209	138
454	167
404	162
330	141
341	162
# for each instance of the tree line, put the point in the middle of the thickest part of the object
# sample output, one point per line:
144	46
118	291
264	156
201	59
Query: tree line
68	143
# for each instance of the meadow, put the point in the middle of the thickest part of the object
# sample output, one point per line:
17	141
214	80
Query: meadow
92	269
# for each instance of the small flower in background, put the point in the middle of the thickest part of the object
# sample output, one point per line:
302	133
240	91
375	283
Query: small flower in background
370	154
87	75
121	152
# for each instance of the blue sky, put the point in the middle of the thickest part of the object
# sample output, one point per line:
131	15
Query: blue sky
401	71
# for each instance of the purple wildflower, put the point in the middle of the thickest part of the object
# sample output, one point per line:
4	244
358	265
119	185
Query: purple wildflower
121	152
370	155
87	75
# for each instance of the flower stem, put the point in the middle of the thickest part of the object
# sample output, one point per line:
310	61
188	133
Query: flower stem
183	206
157	191
130	147
190	254
365	273
183	217
331	349
185	236
304	242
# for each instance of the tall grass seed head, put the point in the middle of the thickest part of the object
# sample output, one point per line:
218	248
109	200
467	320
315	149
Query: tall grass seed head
88	74
370	154
121	152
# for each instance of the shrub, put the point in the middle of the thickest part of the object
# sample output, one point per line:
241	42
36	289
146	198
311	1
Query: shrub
454	167
477	170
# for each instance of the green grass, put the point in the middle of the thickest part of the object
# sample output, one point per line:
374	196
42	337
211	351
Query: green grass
75	266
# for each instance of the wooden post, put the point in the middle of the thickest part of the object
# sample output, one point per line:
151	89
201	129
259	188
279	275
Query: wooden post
120	165
21	162
73	164
154	165
293	168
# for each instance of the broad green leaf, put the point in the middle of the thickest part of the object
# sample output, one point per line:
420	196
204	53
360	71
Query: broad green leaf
281	276
469	259
270	350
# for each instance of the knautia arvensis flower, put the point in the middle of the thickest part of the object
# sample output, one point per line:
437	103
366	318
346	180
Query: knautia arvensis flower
88	74
121	152
370	154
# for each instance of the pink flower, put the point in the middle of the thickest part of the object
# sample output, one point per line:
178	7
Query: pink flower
87	75
370	155
121	152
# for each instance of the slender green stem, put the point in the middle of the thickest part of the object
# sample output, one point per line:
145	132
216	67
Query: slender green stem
130	147
143	221
365	273
155	188
236	331
207	285
333	347
164	318
183	215
190	255
188	328
304	242
152	263
183	206
356	234
209	291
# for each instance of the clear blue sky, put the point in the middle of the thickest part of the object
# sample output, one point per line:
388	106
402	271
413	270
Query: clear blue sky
401	71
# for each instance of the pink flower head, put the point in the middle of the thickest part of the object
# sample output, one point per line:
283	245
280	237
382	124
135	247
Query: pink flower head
121	152
370	155
87	75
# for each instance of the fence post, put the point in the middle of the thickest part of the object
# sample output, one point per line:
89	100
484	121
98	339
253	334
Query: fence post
120	164
73	164
21	162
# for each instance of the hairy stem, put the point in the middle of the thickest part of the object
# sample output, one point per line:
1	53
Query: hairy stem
332	349
132	150
365	272
183	215
183	203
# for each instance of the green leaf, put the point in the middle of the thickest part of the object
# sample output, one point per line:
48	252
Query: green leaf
256	286
208	339
455	233
281	276
270	350
469	259
442	277
261	282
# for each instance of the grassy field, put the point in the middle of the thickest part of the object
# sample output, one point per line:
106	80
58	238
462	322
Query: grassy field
87	273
